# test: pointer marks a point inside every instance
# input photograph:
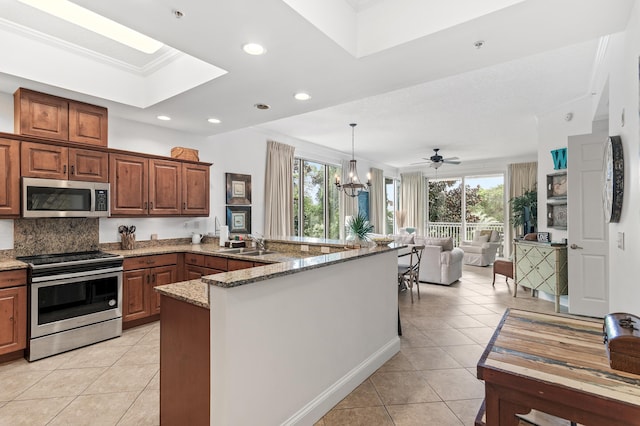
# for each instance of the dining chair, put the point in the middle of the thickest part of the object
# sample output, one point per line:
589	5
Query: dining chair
408	274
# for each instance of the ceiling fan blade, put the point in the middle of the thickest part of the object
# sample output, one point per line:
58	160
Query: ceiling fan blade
419	162
448	161
450	158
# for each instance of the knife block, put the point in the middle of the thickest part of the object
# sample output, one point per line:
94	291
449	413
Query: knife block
127	241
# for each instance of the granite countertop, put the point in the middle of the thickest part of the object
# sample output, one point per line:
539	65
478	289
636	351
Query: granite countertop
10	264
211	249
195	292
252	275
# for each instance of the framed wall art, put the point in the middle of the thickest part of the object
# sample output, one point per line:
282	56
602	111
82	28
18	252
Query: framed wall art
239	219
238	189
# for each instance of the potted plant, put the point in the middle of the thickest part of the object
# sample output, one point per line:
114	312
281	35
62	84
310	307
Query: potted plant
524	211
359	229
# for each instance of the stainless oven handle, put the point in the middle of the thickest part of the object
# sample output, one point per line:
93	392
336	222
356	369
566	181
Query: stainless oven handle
84	274
77	262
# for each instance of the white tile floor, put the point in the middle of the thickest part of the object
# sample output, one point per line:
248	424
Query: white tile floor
431	381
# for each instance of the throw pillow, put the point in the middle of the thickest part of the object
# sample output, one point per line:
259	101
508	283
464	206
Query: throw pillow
482	236
403	238
445	243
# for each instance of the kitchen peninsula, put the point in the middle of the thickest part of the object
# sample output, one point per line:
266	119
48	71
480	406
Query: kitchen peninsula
291	338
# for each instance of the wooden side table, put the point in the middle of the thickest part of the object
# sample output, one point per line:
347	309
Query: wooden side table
557	365
502	267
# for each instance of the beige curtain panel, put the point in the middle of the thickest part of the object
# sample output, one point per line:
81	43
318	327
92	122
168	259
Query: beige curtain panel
278	198
348	205
377	211
412	200
522	177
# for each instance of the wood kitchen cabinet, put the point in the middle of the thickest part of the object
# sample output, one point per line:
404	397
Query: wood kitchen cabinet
129	185
143	186
139	302
165	192
61	162
9	178
199	265
195	189
52	117
13	311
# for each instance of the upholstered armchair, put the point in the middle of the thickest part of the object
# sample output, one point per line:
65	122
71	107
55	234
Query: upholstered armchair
441	263
481	251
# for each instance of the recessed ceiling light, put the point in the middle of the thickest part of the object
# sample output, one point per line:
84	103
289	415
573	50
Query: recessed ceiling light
478	44
91	21
262	106
164	117
302	96
214	121
254	49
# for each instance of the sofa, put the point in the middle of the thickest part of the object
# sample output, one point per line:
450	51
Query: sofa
441	263
481	251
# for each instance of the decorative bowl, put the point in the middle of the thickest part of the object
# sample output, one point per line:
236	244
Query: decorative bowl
382	241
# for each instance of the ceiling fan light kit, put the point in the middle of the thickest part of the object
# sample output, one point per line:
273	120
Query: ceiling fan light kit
353	186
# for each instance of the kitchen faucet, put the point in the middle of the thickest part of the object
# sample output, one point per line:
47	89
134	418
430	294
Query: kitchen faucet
259	240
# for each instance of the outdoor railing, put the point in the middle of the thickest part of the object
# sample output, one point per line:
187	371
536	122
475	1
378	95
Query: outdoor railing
454	230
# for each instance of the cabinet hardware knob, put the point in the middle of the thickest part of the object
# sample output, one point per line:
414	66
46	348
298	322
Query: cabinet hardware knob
145	205
184	205
64	169
73	170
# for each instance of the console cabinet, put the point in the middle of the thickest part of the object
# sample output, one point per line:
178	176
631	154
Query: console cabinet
42	115
541	266
141	275
9	178
60	162
13	311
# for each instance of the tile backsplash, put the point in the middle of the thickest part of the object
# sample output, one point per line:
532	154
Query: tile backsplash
55	235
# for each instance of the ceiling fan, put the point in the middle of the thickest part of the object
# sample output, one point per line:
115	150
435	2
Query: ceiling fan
437	160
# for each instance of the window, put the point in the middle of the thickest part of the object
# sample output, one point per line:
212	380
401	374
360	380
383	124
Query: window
459	206
391	192
315	200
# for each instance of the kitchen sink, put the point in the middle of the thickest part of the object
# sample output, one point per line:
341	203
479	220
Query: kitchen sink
240	250
257	252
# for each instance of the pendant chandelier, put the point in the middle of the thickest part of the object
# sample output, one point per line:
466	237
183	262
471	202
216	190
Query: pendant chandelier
353	186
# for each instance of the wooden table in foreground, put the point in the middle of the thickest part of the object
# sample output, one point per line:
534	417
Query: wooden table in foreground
557	365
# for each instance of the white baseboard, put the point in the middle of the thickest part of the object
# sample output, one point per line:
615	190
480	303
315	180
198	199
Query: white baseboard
325	401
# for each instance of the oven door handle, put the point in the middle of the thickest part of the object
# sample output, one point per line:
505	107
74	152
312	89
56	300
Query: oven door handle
59	277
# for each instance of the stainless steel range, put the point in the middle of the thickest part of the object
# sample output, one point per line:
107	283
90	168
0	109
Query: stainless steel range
75	299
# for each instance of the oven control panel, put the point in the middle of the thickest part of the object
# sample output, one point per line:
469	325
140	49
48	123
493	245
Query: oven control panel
102	200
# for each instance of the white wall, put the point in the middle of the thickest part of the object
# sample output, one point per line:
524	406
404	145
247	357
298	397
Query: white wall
624	95
318	335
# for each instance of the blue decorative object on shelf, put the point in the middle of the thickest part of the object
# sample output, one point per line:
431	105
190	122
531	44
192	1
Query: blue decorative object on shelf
559	157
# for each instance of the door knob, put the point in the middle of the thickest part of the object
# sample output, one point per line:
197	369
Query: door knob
575	246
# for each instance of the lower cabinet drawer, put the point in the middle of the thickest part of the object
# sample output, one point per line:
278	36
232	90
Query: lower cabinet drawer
194	259
13	278
150	261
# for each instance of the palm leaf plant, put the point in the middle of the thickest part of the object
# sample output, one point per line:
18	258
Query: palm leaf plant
359	227
519	207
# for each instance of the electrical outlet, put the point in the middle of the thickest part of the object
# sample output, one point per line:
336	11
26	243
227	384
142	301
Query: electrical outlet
325	250
154	237
304	247
621	240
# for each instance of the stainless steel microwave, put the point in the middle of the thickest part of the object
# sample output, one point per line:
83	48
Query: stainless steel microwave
64	198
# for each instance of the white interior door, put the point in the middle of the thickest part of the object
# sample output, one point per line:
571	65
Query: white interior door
588	251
